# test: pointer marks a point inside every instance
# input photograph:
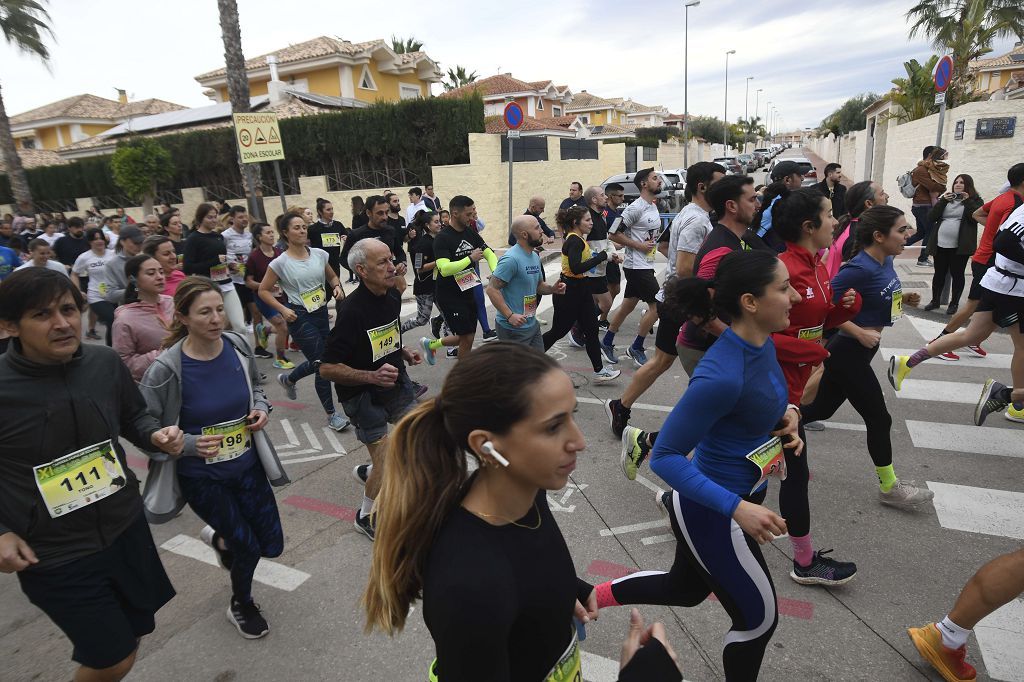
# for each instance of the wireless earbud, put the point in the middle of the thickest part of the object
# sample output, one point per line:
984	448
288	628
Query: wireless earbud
488	447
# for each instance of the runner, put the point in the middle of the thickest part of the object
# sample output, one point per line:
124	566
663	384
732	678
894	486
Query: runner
881	235
377	228
205	381
366	361
255	270
141	324
576	305
239	244
128	245
596	202
40	256
328	234
489	536
92	264
162	249
517	284
859	197
84	556
427	224
735	405
616	196
637	229
170	227
301	272
206	254
687	232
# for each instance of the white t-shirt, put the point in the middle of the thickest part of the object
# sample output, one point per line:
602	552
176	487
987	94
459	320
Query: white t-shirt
688	230
997	281
50	239
239	246
410	212
299	276
642	222
94	267
51	264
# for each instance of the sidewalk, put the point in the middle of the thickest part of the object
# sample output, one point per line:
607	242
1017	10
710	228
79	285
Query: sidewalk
819	166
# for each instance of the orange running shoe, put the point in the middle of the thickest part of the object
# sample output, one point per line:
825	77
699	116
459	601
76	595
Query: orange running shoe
949	662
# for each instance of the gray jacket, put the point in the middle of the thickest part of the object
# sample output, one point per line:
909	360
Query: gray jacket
117	280
161	387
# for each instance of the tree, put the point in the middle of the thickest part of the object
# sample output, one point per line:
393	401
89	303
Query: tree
751	130
707	127
402	46
23	23
849	116
915	94
138	165
457	77
238	93
966	29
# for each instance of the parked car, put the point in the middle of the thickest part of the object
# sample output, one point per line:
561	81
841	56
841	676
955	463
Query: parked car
806	167
765	154
748	163
731	165
670	199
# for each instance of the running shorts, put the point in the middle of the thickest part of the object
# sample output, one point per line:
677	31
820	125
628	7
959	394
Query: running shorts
598	285
614	273
459	312
245	294
372	409
641	284
1006	310
978	271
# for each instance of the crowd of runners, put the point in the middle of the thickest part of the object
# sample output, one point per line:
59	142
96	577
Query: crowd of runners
774	307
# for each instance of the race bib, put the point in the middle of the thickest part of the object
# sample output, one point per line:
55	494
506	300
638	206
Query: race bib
219	273
385	340
811	333
314	299
897	305
103	288
530	305
770	461
330	240
652	253
467	279
235	440
181	258
80	478
568	668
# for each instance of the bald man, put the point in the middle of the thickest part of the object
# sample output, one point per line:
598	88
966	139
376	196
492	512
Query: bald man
535	209
516	283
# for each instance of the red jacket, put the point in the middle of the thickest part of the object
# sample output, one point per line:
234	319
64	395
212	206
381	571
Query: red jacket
801	346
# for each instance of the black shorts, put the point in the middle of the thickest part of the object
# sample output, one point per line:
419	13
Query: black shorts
613	273
598	285
245	294
106	601
641	284
668	332
1006	310
459	312
978	271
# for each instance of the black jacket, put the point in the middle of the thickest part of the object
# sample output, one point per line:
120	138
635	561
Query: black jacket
967	242
53	410
838	197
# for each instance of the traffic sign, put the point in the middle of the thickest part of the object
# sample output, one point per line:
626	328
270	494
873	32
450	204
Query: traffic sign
943	73
259	138
513	116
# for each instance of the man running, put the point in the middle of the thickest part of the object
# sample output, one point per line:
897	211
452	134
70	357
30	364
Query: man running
377	228
616	196
71	522
637	230
365	359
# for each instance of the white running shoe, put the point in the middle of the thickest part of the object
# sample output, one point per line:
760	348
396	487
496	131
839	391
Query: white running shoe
606	374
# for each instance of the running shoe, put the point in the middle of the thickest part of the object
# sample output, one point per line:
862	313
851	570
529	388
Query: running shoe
576	338
435	326
609	353
1015	415
289	387
224	557
905	496
262	353
949	662
490	336
365	525
634	451
283	363
637	355
337	422
91	334
925	263
618	416
429	354
362	472
990	401
602	324
292	346
948	356
452	353
419	389
898	370
605	374
824	571
247	618
977	351
262	334
814	426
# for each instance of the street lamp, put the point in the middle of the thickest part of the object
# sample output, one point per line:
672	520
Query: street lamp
746	113
686	104
725	123
767	121
756	98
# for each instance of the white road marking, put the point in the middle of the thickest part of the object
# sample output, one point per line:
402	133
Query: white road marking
333	441
842	426
1001	640
314	459
634	527
979	510
289	433
940	391
658	539
982	440
296	453
650	485
993	361
267	572
926	328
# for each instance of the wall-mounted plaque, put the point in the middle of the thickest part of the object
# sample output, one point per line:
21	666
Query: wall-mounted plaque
995	127
958	133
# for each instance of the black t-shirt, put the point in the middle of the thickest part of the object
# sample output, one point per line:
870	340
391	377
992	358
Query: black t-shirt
454	245
316	234
68	248
422	251
203	251
360	220
401	235
386	235
366	335
600	230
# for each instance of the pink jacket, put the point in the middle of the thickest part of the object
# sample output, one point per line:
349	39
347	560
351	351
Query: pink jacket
139	330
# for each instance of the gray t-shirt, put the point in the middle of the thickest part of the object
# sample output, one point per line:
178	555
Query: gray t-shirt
642	222
949	228
301	276
688	230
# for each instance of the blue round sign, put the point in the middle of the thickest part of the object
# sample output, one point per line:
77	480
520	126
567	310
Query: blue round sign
513	116
943	73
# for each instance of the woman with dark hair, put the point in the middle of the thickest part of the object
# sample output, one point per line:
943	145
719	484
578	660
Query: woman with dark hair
489	536
93	264
733	416
859	198
955	239
328	234
427	224
206	254
141	324
161	248
170	227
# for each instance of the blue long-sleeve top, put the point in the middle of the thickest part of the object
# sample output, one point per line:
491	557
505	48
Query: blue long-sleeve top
736	397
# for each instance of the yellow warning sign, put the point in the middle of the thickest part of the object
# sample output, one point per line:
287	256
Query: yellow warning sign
259	138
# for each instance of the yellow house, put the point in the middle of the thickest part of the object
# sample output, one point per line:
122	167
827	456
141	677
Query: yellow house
993	74
75	118
368	72
597	111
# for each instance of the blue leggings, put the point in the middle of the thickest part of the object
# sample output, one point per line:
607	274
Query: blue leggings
243	511
310	331
713	554
481	308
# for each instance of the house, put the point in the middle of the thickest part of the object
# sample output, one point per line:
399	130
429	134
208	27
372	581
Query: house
640	115
594	110
366	72
993	75
76	118
539	99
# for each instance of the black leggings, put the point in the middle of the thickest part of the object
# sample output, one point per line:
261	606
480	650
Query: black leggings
575	307
105	313
947	261
848	376
793	503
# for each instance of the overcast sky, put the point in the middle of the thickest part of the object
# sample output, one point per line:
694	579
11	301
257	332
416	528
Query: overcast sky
808	58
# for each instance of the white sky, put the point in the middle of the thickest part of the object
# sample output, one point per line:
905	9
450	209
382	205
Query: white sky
807	59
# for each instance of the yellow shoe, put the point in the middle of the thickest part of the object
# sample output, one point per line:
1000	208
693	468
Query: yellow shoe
1014	415
898	370
949	662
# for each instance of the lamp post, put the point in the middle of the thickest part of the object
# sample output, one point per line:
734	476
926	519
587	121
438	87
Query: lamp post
756	98
746	113
767	121
686	104
725	123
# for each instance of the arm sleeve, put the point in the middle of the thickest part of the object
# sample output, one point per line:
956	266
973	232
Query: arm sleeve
448	268
545	229
573	249
492	260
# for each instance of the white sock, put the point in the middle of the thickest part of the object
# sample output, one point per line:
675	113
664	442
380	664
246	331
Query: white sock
367	506
953	636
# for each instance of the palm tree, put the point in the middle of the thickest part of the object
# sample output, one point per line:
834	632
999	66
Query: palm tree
915	94
410	44
23	23
238	93
966	29
457	77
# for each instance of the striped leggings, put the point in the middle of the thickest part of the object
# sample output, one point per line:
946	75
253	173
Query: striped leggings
424	306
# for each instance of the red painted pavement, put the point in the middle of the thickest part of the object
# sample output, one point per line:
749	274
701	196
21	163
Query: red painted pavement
321	507
287	404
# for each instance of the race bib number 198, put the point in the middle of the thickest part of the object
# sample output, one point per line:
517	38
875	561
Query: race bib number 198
235	441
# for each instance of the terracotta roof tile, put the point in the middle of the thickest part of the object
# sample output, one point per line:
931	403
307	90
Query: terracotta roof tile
91	106
1002	60
33	158
584	101
496	124
499	84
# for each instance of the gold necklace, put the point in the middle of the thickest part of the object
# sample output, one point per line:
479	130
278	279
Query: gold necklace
519	525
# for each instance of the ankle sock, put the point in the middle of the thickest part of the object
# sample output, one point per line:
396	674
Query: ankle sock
366	507
609	338
436	344
803	553
605	598
638	343
652	437
886	478
953	636
1018	406
918	357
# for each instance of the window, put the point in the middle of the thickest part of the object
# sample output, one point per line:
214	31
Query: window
526	149
650	153
28	143
578	149
300	84
556	111
406	91
366	79
540	104
585	118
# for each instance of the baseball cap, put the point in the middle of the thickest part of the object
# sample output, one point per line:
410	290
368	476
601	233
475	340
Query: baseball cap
784	169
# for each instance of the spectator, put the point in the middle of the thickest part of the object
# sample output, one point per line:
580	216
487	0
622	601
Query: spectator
72	245
833	189
432	201
123	218
575	197
929	180
6	231
359	217
50	234
416	204
955	240
152	224
535	209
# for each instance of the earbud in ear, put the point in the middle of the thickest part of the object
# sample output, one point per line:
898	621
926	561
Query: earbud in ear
488	447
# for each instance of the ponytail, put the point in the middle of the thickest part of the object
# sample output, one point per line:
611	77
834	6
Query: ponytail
856	200
738	273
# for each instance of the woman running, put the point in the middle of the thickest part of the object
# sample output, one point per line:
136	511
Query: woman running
255	270
427	224
161	248
141	324
859	198
803	220
205	382
488	537
881	234
328	234
301	273
576	306
170	227
955	240
206	254
93	264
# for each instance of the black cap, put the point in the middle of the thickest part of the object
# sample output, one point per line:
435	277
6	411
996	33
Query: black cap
132	233
785	169
641	175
